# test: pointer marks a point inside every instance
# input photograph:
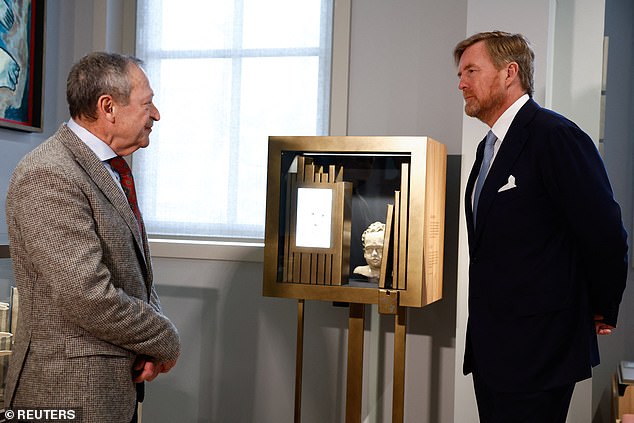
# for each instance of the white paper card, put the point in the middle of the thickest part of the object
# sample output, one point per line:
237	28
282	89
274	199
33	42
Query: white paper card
314	217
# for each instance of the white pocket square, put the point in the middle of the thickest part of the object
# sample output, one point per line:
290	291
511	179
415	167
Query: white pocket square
509	185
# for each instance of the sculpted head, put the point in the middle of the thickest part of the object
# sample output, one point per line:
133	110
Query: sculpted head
372	240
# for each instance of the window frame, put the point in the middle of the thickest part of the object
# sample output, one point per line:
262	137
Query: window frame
252	251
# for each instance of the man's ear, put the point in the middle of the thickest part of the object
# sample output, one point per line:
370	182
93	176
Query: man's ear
512	72
106	107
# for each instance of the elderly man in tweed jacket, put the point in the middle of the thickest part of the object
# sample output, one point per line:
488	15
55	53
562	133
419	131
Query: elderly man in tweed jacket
90	325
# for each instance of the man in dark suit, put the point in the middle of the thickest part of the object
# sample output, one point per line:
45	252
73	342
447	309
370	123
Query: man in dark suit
90	327
547	247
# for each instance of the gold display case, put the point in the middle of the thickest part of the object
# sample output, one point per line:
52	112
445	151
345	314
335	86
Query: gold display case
322	192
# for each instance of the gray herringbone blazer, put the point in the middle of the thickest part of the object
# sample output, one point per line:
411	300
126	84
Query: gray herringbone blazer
83	271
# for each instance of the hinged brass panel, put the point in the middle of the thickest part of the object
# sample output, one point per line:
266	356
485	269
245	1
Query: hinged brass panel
388	301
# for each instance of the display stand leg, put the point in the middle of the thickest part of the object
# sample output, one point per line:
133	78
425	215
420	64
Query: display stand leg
398	395
299	360
354	381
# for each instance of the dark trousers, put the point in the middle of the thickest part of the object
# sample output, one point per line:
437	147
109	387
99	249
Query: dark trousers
140	396
135	416
549	406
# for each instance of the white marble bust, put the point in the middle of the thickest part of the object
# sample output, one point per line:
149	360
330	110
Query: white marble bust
372	240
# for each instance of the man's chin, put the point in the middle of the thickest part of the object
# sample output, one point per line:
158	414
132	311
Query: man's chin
471	111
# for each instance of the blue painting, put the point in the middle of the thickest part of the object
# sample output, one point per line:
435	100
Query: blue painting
21	55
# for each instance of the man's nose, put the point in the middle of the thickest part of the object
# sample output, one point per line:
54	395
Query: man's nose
155	114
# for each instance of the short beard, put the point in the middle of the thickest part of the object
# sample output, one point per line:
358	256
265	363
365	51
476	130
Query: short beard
473	110
483	111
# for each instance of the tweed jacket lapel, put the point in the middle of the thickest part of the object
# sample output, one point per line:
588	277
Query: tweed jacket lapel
100	176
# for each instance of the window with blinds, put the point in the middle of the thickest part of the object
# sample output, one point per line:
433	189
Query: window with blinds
226	74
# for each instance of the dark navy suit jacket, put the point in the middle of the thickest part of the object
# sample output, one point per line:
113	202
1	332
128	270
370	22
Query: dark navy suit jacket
545	256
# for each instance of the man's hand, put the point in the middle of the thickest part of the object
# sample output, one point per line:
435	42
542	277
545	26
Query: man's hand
166	366
600	327
146	369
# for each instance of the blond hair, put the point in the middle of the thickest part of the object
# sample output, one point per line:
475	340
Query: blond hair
505	48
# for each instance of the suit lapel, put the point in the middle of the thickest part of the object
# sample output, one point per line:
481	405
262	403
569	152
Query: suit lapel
469	192
100	176
508	153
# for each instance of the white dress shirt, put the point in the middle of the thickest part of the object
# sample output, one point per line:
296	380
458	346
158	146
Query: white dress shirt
501	127
100	148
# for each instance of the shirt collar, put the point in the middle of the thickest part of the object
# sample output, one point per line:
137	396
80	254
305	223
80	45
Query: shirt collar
502	125
100	148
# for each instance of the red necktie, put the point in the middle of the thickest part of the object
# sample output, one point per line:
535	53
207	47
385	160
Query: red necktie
127	183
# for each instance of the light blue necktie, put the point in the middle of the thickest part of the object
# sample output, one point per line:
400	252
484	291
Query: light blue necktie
489	144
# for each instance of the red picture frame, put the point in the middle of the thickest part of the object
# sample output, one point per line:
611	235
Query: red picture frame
22	64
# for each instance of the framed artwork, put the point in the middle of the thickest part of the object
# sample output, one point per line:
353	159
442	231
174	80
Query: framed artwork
313	228
21	64
325	194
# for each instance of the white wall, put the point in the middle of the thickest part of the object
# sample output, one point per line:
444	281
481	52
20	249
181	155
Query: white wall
402	76
578	45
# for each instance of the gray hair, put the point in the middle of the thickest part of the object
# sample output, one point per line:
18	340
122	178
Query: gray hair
97	74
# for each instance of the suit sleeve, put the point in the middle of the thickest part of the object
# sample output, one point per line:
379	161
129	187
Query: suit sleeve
578	183
54	221
154	300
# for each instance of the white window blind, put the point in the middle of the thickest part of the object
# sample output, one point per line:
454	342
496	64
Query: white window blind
226	75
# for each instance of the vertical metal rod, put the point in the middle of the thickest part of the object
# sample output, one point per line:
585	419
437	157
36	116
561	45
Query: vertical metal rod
354	381
398	394
299	360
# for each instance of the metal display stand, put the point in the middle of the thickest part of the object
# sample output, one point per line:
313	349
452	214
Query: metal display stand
321	192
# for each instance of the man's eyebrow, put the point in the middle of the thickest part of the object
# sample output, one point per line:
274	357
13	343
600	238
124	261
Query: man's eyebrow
467	67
